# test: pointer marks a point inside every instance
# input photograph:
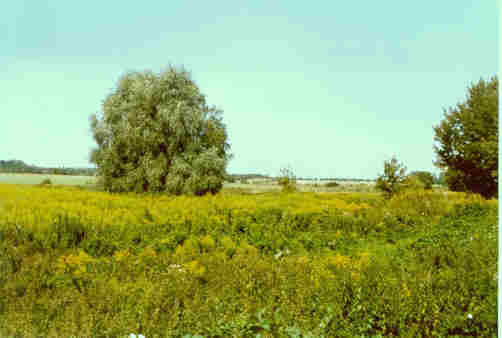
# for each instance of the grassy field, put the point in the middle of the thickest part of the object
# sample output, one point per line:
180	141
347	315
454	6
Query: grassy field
255	186
38	178
75	262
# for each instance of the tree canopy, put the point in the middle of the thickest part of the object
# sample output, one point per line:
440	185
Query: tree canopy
156	133
467	141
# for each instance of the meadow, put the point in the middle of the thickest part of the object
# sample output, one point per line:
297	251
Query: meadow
32	179
251	186
76	262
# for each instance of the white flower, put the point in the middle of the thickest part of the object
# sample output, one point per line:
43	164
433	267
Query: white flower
469	316
132	335
278	255
176	267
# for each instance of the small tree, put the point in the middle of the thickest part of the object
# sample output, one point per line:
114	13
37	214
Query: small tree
287	180
390	182
156	133
467	149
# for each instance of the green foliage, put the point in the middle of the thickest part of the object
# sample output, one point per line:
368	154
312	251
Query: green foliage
46	181
419	264
332	185
287	180
230	179
425	177
468	141
60	171
440	179
412	183
390	182
17	166
156	133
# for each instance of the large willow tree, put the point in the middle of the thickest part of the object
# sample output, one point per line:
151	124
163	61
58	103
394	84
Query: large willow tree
156	133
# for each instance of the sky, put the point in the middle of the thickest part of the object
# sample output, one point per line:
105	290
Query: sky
326	88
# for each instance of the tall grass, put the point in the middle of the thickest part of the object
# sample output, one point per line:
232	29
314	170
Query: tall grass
80	263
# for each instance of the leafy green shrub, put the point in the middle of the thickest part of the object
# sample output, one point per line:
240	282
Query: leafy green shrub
230	179
413	183
46	181
425	177
332	185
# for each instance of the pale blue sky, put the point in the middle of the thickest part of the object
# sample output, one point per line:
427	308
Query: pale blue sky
331	88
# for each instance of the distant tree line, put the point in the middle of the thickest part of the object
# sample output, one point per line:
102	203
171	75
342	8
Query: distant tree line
239	177
18	166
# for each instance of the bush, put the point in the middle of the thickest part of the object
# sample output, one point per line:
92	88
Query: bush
413	183
46	181
230	179
425	177
332	185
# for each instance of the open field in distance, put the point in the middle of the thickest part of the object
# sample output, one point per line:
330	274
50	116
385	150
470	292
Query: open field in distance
253	185
38	178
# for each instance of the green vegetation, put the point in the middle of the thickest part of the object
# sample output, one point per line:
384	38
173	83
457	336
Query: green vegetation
391	181
238	177
34	179
80	263
157	134
46	181
467	139
17	166
425	177
246	261
287	180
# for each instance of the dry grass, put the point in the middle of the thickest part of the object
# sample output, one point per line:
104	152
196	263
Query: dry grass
256	186
38	178
262	186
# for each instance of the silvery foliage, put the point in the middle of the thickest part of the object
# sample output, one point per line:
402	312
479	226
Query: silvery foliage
156	133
